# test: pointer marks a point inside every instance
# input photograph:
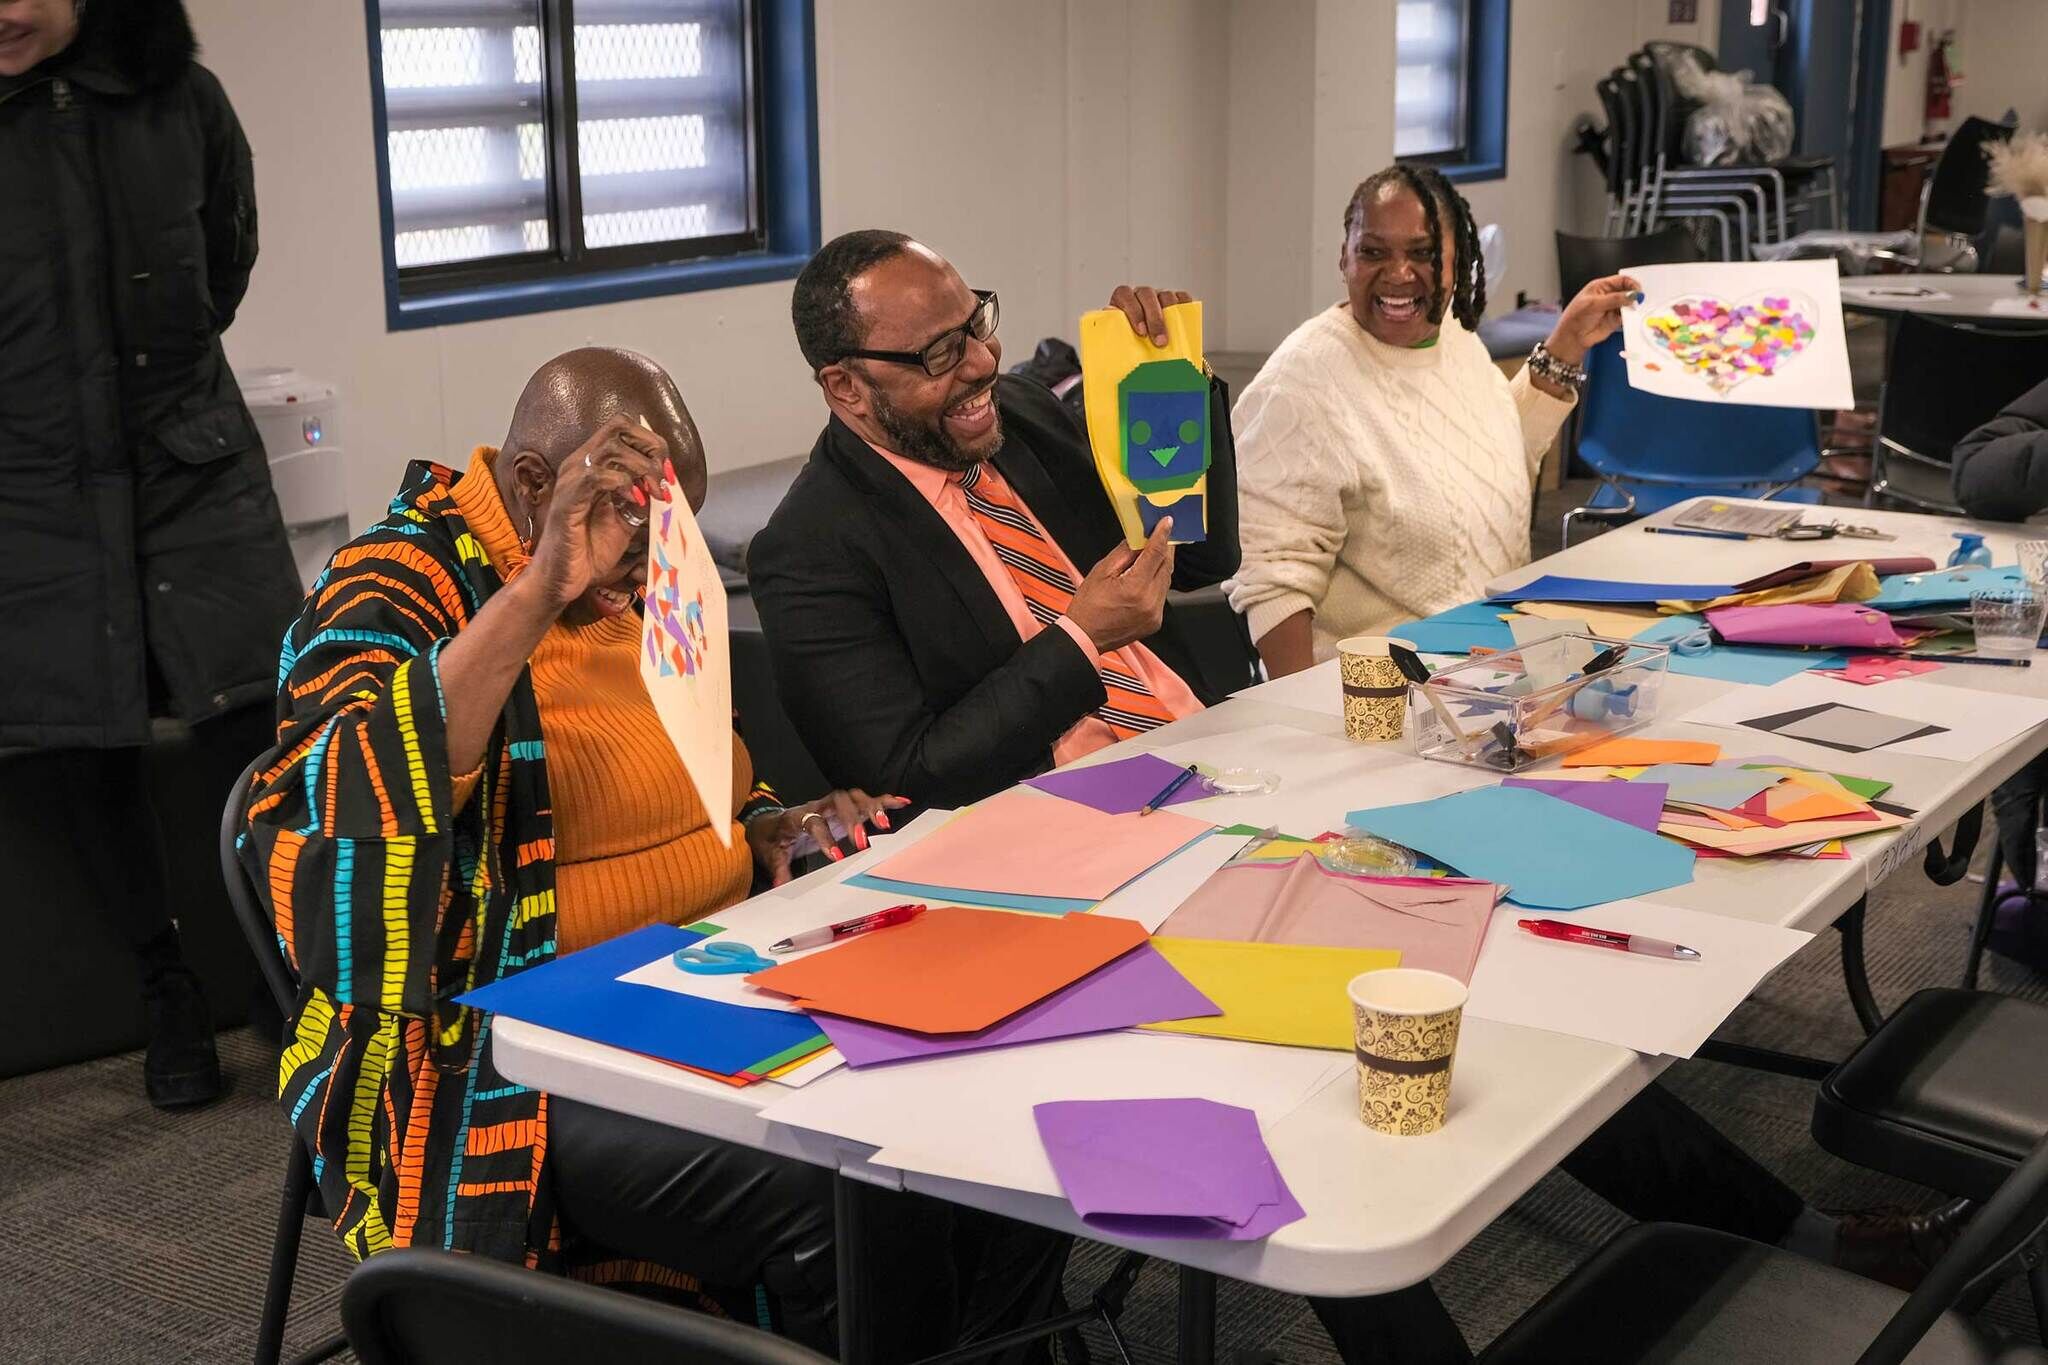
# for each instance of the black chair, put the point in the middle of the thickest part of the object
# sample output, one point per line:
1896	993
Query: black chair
1949	1093
1680	1295
301	1197
1943	380
418	1307
1581	260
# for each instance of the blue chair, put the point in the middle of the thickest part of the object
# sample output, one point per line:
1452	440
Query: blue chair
1651	452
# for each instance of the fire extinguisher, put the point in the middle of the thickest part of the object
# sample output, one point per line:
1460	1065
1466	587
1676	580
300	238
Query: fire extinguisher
1943	76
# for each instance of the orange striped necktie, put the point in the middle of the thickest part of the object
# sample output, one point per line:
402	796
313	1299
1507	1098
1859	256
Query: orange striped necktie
1036	567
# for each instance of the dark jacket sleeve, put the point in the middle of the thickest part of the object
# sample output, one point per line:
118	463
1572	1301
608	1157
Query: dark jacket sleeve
229	210
2000	470
1216	557
850	684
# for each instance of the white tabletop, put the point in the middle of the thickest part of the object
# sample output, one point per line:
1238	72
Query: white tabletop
1384	1213
1947	296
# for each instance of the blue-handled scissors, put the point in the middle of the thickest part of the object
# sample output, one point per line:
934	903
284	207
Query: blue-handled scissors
1696	642
720	958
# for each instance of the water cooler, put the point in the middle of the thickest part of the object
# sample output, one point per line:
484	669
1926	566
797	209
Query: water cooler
298	417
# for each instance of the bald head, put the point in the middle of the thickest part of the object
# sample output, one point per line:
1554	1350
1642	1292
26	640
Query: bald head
571	396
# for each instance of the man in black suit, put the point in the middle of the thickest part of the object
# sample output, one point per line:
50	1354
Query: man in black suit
906	647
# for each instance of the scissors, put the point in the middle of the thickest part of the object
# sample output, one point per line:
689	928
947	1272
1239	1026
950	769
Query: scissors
1828	530
719	958
1695	642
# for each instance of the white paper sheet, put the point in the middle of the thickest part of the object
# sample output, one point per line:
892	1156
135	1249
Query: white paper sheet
1717	365
1976	721
968	1116
1317	689
1654	1005
1157	894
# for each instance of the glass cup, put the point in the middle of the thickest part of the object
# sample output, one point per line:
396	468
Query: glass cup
2008	620
1404	1027
1375	690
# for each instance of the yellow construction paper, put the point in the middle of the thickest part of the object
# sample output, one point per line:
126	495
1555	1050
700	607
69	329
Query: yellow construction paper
1148	420
1849	583
1272	992
1619	623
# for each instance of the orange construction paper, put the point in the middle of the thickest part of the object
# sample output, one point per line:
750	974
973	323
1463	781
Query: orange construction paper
1026	843
953	970
1624	753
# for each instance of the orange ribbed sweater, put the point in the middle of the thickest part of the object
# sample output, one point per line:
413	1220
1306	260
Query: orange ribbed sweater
633	846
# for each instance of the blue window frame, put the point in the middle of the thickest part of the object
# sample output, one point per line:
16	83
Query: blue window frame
543	154
1451	86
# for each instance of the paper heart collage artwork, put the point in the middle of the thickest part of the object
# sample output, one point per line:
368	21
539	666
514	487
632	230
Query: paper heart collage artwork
1727	343
676	641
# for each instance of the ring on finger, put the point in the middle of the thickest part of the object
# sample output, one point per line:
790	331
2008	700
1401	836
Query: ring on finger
806	821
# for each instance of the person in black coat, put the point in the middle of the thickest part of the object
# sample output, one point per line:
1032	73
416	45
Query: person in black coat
902	651
147	572
2000	473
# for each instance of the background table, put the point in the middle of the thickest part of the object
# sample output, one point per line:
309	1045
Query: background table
1970	296
1384	1213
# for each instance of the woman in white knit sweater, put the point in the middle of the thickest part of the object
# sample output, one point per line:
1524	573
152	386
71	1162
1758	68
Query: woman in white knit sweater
1385	467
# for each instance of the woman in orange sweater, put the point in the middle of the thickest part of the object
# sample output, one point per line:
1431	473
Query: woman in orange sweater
469	779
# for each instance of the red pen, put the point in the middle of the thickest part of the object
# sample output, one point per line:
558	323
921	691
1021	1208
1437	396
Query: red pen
1607	938
818	938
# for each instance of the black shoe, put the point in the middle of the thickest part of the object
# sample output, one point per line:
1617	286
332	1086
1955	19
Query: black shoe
1897	1248
181	1068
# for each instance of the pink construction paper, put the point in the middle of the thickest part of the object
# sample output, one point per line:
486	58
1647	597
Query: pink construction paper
1806	623
1025	843
1866	669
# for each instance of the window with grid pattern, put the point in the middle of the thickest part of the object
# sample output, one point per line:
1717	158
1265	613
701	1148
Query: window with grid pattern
1431	74
486	183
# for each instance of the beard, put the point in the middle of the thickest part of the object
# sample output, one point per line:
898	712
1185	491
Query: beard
927	442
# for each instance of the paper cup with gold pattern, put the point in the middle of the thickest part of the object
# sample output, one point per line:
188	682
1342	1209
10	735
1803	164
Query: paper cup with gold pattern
1375	692
1405	1029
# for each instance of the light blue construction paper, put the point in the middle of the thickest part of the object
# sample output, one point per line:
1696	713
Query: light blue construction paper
1943	587
994	900
1457	630
1550	854
1757	665
1720	788
1554	588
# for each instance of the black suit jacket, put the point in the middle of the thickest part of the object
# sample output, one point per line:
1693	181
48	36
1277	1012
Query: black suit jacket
894	659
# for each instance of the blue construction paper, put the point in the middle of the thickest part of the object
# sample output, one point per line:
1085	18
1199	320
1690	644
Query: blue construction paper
1758	665
1550	854
994	900
1553	588
581	994
1943	587
1694	784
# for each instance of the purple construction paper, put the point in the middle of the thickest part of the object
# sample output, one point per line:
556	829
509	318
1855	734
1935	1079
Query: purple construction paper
1122	786
1187	1168
1141	987
1633	803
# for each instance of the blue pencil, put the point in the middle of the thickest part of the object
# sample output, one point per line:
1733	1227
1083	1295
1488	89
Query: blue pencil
1704	535
1180	780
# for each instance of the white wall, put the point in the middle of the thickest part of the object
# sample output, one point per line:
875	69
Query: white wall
1905	77
2005	60
1049	173
1203	144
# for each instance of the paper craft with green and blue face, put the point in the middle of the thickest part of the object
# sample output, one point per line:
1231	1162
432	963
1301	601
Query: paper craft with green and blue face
1148	421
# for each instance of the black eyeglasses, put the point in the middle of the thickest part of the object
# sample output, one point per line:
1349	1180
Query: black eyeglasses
947	349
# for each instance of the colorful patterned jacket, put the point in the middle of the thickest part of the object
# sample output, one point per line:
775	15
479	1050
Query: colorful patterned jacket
389	907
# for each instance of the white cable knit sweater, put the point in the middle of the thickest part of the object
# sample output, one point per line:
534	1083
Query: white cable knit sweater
1378	484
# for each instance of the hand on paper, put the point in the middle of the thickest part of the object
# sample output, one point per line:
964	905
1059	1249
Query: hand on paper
1592	316
595	512
777	840
1123	598
1146	308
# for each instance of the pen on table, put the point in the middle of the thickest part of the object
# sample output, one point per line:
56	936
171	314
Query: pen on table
1180	779
1967	659
818	938
1608	938
1687	531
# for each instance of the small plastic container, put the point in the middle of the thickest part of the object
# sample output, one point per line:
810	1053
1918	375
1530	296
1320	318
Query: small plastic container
1970	549
1367	855
1511	710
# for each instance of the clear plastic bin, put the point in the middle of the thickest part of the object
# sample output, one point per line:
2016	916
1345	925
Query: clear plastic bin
1511	710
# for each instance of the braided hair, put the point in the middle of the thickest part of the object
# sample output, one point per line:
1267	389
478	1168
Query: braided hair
1439	197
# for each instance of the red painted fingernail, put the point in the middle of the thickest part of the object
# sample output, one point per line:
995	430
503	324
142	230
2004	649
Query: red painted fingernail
834	854
669	468
638	496
882	819
860	838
